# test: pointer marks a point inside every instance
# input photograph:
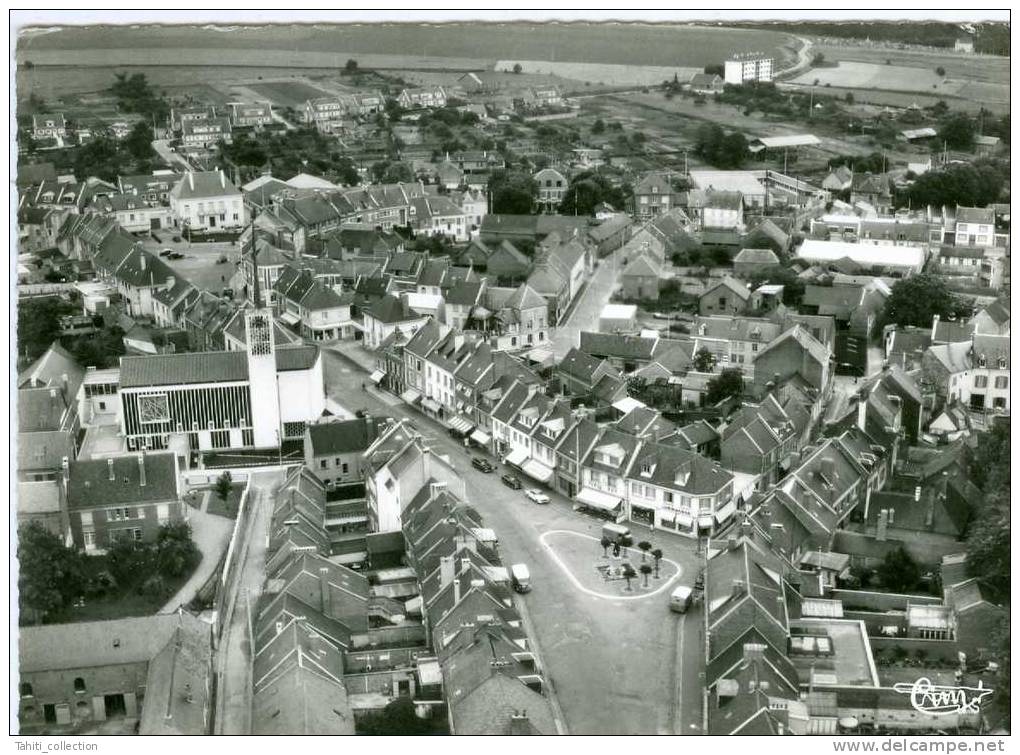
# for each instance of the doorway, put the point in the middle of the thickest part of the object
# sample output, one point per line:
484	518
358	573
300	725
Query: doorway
50	713
115	705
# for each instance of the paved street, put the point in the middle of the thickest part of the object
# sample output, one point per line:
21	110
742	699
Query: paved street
174	160
642	658
234	657
585	314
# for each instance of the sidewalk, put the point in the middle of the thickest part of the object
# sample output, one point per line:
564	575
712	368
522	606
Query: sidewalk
211	534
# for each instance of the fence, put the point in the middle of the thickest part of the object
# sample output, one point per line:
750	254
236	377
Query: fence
231	563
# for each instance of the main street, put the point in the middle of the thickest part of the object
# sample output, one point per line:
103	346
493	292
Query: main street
618	664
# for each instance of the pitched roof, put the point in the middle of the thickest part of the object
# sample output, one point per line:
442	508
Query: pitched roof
390	309
90	644
757	256
342	437
89	483
979	215
617	345
733	285
206	183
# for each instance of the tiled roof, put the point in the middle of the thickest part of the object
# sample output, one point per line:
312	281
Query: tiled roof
342	437
757	256
89	484
980	215
208	183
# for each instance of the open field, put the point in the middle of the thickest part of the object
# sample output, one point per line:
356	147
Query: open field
873	76
603	73
619	43
287	93
970	80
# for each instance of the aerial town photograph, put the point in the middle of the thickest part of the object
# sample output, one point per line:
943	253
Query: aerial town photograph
578	373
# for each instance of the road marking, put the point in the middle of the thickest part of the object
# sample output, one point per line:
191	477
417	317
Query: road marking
592	593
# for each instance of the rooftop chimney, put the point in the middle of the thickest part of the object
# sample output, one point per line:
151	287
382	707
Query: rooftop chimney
191	180
143	256
731	542
141	469
456	590
883	524
446	571
109	467
862	412
738	588
223	180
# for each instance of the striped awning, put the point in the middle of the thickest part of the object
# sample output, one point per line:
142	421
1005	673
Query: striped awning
377	376
480	438
599	500
516	457
461	424
537	470
725	512
410	396
705	522
290	318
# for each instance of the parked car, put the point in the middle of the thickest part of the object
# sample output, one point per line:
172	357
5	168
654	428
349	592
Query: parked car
536	495
175	256
483	465
166	252
511	482
520	578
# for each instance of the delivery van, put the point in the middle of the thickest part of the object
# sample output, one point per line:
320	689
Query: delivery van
680	599
614	532
520	578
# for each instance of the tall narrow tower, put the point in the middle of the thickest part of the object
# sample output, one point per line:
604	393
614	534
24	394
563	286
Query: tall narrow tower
265	391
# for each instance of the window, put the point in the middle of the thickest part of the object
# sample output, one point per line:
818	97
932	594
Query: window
89	538
1002	382
344	468
980	381
323	463
79	684
25	689
999	402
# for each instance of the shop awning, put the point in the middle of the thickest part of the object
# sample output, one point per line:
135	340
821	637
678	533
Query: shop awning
684	520
430	405
725	512
599	500
461	424
377	376
480	438
516	457
537	470
705	522
290	318
410	396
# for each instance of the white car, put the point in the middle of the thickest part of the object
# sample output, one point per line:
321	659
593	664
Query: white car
536	495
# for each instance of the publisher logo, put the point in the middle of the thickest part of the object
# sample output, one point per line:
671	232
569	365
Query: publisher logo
940	700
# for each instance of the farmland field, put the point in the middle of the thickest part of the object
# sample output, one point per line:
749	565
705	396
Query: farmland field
602	73
873	76
618	43
287	93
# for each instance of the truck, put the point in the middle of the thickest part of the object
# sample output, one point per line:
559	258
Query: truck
680	599
520	578
615	532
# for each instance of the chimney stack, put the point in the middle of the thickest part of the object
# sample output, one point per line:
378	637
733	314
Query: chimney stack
456	590
738	588
862	412
141	469
109	467
446	571
324	591
883	524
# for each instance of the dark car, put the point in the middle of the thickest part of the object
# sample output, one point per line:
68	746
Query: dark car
511	482
166	252
175	256
482	465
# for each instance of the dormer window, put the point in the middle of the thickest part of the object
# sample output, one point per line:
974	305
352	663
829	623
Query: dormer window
981	360
1002	363
647	468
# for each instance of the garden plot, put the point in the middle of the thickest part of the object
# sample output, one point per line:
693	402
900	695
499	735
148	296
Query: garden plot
874	76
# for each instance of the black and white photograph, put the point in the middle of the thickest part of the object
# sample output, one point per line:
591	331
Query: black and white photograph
552	373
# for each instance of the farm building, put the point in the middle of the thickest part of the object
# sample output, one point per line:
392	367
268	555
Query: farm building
767	143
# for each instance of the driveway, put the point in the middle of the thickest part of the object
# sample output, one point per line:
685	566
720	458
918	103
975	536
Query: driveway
617	666
212	535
